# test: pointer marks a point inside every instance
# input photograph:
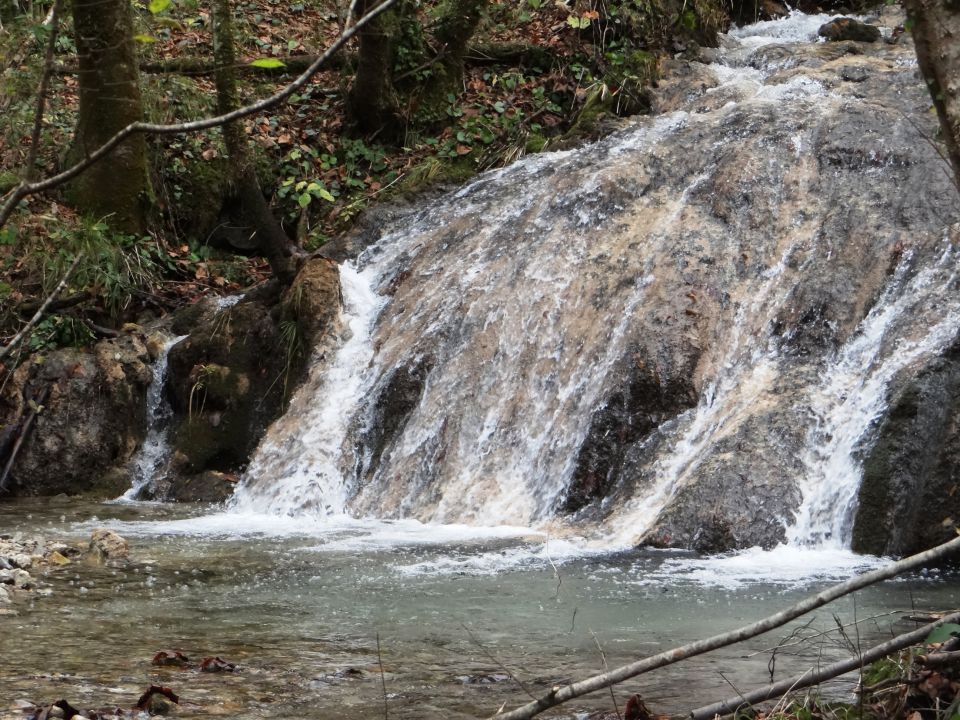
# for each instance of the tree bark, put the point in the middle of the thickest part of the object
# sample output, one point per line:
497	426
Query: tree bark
936	34
270	237
372	104
109	101
455	26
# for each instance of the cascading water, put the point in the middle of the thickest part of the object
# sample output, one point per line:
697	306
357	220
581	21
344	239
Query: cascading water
155	451
682	334
916	318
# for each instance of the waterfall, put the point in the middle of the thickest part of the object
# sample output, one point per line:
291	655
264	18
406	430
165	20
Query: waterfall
916	318
308	470
152	457
712	306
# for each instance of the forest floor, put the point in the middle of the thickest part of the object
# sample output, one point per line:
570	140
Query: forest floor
554	61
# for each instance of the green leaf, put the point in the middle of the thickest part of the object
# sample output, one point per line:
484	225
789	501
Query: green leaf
304	200
325	195
158	6
144	38
267	63
942	633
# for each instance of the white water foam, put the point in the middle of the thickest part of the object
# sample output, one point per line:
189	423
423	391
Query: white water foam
797	27
914	319
155	451
311	477
787	566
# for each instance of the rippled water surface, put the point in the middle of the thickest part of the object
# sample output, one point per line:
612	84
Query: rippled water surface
300	609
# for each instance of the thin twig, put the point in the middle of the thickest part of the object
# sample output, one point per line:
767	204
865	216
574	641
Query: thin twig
383	679
54	18
497	661
603	657
561	694
24	190
810	677
24	433
43	308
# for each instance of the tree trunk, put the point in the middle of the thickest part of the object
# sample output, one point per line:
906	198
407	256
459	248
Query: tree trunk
372	104
455	26
119	186
271	239
936	33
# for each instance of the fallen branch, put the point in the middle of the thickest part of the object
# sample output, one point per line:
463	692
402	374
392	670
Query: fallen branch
810	677
200	66
35	410
8	348
561	694
25	189
940	658
31	306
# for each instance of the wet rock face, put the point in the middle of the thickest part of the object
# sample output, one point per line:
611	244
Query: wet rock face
648	399
91	419
234	374
845	28
910	495
649	338
108	547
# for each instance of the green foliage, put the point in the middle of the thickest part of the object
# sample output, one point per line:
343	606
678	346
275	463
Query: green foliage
117	268
268	63
60	331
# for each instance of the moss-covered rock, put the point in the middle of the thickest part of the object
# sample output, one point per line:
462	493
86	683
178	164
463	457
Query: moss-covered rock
235	372
89	410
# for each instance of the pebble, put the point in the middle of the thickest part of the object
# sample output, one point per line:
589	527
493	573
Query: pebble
108	545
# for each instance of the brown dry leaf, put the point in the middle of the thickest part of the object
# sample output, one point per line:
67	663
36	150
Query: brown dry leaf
170	658
209	154
216	664
166	692
464	149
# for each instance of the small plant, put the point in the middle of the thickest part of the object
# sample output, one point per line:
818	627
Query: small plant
60	331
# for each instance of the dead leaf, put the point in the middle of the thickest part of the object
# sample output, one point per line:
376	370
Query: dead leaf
216	664
144	701
170	658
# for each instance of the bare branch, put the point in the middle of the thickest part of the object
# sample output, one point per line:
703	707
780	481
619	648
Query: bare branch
828	673
383	680
940	658
40	312
24	190
561	694
54	23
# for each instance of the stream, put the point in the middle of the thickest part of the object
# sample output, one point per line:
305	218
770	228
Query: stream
300	609
478	543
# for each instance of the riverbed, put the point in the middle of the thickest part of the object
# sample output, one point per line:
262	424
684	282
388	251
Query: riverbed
467	619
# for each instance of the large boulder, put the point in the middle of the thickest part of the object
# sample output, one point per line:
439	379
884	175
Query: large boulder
910	494
235	373
88	417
